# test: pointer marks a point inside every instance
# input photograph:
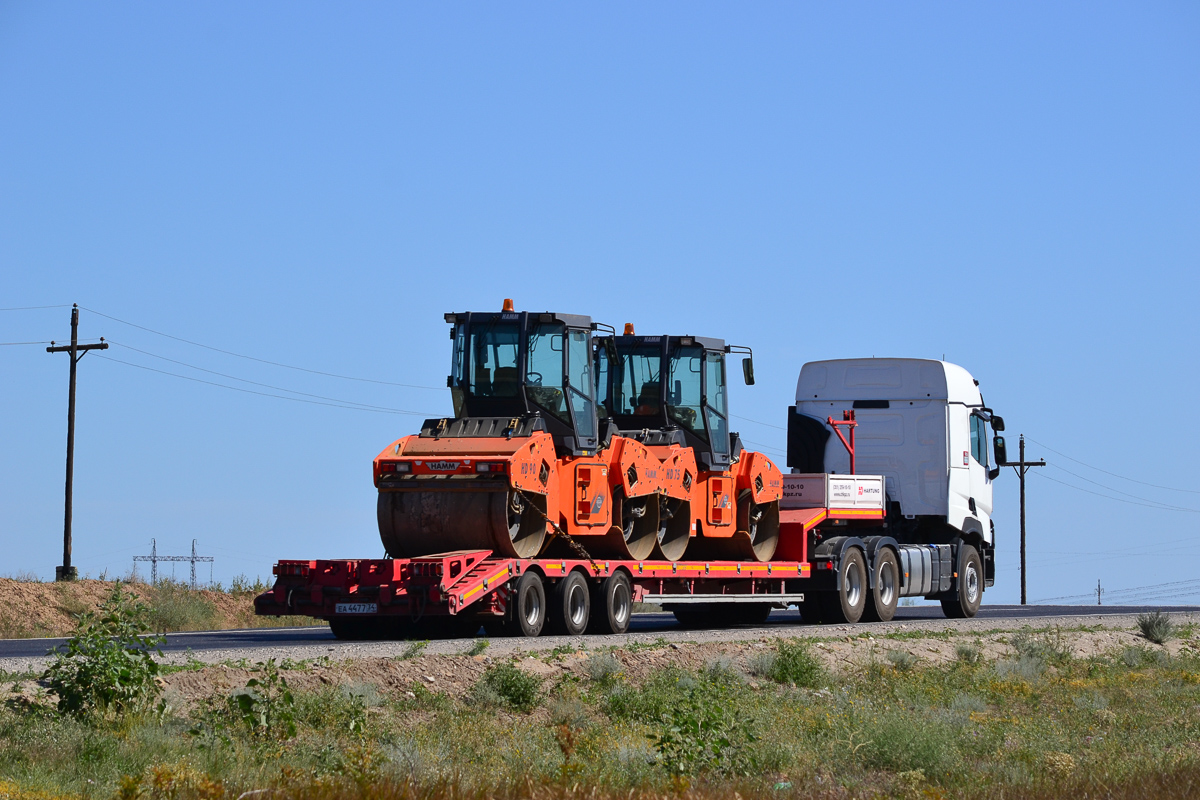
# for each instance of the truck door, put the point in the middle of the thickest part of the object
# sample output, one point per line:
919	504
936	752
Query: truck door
981	485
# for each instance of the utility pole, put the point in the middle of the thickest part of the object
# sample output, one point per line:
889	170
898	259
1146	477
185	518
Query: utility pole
154	558
1099	591
1021	467
67	572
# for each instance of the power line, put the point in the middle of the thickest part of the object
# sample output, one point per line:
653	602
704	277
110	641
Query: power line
13	344
262	360
1113	474
1164	588
757	422
1161	506
35	308
1110	488
359	407
252	383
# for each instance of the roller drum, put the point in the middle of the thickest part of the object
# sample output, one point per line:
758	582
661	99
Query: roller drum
634	531
440	520
674	528
756	538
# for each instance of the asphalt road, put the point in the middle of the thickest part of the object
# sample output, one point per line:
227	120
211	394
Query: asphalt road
642	623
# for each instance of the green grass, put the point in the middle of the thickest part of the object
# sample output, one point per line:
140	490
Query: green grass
1122	725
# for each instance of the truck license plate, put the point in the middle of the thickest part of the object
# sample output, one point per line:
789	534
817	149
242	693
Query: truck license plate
356	608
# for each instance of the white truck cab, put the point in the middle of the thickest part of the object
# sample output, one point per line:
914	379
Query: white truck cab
922	425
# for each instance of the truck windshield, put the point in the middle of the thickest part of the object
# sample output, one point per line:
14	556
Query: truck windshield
493	366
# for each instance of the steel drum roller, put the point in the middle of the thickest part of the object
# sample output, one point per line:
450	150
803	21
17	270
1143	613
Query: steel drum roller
427	521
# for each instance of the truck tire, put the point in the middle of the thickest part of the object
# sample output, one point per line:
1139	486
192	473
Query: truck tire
968	594
612	604
570	606
847	603
529	606
885	591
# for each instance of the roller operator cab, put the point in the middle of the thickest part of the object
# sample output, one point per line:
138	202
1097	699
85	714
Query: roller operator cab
923	425
674	384
523	364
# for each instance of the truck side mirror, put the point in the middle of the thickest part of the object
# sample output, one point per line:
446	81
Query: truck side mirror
1000	450
993	473
997	424
748	370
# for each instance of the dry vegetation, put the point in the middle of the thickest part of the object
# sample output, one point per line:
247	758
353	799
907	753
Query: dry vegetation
30	608
1050	713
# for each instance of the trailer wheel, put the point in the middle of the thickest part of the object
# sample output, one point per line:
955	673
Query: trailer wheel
847	603
968	596
571	606
612	604
693	615
529	605
749	613
885	594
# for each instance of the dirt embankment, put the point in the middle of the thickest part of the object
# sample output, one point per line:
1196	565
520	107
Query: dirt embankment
455	674
29	609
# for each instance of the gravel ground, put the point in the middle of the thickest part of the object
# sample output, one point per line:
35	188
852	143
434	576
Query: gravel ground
1118	627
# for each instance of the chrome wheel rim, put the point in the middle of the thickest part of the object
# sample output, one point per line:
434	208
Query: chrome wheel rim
972	581
620	604
854	587
533	608
886	580
577	605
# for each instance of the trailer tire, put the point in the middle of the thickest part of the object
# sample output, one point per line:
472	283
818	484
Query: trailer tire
571	606
529	606
885	587
693	615
612	604
749	613
964	602
846	604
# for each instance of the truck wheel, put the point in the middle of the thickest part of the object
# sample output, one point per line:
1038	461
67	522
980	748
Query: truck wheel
847	603
885	594
571	606
612	604
969	594
529	605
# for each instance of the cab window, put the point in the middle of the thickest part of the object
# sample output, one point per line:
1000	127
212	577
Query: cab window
978	440
684	393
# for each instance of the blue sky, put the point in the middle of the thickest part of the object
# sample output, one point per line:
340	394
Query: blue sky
1014	187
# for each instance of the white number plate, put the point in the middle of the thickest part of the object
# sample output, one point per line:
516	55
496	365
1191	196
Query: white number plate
356	608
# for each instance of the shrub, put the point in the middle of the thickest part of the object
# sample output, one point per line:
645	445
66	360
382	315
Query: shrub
968	704
795	665
1049	647
967	653
175	607
900	741
603	667
1156	626
902	660
1027	668
701	731
413	650
477	647
108	664
266	705
760	664
518	690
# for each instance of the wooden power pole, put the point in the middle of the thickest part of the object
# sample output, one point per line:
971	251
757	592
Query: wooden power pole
1021	467
67	572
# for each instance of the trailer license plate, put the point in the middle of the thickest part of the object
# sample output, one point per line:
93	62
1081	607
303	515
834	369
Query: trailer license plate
356	608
